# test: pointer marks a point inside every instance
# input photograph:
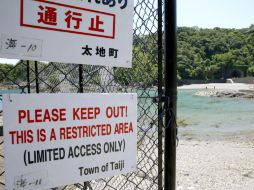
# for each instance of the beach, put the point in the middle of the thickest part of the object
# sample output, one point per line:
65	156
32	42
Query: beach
230	90
219	86
218	154
208	165
221	155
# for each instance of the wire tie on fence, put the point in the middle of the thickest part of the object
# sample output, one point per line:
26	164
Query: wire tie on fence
9	97
164	99
173	119
177	139
175	122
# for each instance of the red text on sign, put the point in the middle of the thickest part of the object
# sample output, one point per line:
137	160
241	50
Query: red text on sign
123	128
40	115
116	111
49	15
76	132
85	113
21	137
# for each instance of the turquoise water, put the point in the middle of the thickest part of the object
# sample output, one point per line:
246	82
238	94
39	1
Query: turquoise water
201	114
212	114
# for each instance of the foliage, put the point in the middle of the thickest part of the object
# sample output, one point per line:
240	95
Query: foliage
202	54
215	53
12	72
144	65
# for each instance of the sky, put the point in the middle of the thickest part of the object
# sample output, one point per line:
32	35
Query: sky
215	13
10	61
209	14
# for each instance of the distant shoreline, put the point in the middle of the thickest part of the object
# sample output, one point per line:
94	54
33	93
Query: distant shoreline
7	87
219	86
228	90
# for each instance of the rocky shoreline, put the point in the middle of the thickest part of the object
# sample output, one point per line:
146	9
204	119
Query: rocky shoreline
209	165
246	94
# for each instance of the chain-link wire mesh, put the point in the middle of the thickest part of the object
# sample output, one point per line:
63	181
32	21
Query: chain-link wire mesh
142	78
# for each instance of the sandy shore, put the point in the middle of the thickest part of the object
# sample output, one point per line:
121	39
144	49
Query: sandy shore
229	90
209	165
219	86
223	163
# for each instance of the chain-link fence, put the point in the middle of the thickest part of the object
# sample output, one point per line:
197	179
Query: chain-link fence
144	78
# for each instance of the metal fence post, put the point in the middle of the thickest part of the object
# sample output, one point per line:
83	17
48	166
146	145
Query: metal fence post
28	76
81	90
37	77
81	85
143	78
171	93
160	94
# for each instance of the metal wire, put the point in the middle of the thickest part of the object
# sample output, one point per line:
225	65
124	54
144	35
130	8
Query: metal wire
142	79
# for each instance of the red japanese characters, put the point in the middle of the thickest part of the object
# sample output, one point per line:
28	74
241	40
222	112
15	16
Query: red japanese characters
66	18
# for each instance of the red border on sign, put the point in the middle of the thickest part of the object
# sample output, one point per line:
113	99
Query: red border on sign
68	31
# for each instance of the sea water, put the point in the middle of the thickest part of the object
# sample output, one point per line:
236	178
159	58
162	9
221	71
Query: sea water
213	115
199	114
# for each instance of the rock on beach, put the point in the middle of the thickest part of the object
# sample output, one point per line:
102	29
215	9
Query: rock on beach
248	94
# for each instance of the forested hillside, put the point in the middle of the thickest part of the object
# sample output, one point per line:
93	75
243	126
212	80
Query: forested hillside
202	54
215	53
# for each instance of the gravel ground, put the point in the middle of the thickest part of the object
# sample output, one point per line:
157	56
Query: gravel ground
220	165
225	164
210	165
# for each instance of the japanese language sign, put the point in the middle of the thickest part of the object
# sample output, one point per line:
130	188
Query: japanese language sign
57	142
90	32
